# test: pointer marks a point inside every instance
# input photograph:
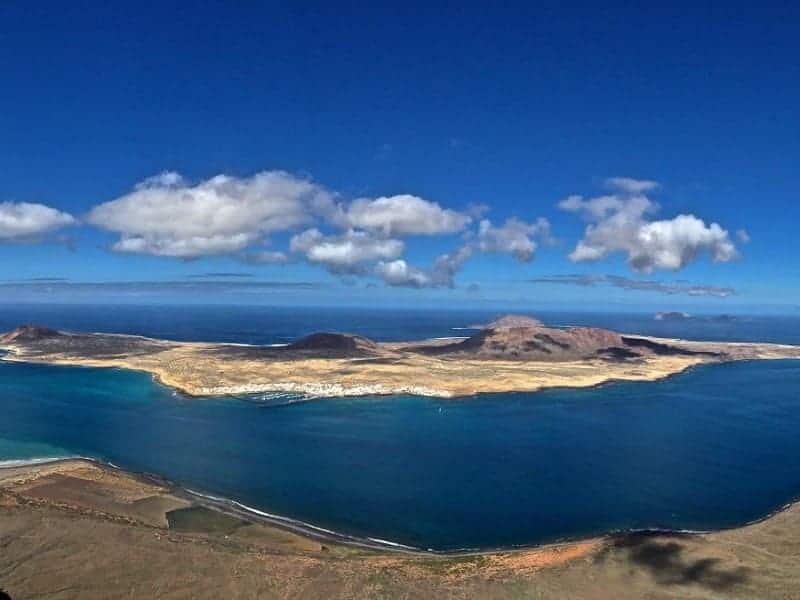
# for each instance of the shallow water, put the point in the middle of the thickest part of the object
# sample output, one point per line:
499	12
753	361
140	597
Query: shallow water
714	447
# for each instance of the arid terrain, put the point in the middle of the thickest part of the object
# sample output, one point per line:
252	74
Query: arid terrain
511	354
79	529
76	529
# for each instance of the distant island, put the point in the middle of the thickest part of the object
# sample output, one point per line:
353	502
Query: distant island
513	353
672	316
684	316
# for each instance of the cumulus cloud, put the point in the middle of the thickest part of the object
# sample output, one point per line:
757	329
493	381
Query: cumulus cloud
166	216
345	253
399	273
446	266
25	220
743	236
619	222
626	283
514	237
402	215
184	247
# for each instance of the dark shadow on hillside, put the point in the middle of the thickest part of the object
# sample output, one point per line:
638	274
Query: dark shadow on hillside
316	345
663	349
663	556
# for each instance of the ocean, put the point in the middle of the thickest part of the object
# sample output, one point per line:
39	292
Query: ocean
275	325
714	447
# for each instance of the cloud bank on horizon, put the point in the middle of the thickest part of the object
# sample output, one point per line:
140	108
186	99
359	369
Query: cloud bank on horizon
168	216
626	283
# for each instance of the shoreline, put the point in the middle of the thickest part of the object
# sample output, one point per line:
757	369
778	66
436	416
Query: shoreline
319	390
231	507
95	526
240	392
227	506
324	365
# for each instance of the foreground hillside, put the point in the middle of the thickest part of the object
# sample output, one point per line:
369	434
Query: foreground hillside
511	354
80	530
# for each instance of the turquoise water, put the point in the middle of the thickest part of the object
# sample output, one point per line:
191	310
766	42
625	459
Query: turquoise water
717	446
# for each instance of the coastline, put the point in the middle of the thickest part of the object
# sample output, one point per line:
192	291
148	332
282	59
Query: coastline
449	379
310	531
514	358
97	531
96	509
320	390
232	507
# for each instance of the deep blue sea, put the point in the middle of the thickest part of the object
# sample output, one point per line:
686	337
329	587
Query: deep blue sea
271	325
714	447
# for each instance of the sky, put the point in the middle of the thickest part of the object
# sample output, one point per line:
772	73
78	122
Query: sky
559	155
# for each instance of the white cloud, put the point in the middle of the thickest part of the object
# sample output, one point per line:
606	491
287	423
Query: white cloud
619	223
399	273
514	237
345	253
743	236
402	215
21	220
163	179
632	186
166	216
447	266
184	247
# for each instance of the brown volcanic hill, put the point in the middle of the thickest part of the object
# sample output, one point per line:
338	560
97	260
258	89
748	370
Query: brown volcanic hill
335	344
29	333
510	321
35	340
550	344
538	343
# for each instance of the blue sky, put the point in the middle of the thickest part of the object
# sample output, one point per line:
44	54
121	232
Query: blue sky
512	108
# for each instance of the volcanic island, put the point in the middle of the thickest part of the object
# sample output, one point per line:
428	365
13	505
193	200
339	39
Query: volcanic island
511	354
